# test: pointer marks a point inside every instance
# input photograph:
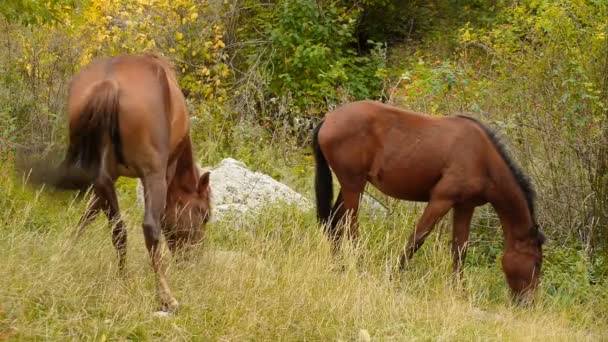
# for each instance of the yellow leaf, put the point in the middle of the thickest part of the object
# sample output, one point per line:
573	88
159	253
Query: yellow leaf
179	35
193	16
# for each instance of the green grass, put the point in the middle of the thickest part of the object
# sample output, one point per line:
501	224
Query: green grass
268	278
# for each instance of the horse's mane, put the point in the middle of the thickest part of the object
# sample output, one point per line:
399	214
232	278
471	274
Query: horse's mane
522	179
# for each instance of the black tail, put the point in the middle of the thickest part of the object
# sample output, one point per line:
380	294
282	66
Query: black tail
323	181
98	121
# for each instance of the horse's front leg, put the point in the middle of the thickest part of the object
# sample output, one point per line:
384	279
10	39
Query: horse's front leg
155	190
460	237
434	211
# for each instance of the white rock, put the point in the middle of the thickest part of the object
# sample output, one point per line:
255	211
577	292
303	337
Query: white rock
238	190
373	206
234	185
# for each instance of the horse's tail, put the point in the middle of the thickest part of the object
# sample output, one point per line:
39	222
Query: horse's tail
323	180
97	121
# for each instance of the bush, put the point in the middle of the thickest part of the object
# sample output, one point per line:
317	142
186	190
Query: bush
545	57
308	55
535	75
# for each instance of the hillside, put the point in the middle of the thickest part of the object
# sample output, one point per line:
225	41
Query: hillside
258	77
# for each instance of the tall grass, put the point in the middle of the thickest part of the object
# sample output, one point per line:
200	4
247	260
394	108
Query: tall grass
268	277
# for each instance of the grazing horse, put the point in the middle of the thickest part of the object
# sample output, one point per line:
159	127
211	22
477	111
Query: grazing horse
128	117
451	162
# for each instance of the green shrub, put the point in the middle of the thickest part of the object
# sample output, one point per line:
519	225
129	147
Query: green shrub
310	57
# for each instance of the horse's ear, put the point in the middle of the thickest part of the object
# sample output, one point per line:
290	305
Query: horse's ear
203	183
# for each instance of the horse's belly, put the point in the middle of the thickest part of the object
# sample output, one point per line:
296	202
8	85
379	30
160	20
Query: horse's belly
126	171
409	187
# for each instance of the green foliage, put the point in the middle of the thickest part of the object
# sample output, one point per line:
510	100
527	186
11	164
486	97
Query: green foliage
189	36
558	43
31	12
555	53
8	127
536	72
439	84
394	20
312	57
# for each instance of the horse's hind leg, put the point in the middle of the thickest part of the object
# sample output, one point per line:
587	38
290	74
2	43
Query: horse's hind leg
108	202
155	190
434	211
94	206
333	229
104	199
351	206
461	225
344	218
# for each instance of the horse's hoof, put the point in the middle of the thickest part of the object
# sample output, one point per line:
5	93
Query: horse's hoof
171	306
162	314
167	309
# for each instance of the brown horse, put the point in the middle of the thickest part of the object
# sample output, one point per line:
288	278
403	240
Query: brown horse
128	117
452	162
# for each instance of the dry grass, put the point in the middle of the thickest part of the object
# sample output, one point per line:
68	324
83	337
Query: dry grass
271	278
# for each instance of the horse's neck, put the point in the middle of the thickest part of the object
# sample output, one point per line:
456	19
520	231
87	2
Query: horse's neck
511	205
186	175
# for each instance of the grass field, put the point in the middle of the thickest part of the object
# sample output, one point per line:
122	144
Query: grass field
269	278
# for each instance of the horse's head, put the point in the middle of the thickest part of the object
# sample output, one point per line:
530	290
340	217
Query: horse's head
522	265
186	213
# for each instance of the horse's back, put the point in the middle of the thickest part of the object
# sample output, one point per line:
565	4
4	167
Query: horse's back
364	118
402	153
